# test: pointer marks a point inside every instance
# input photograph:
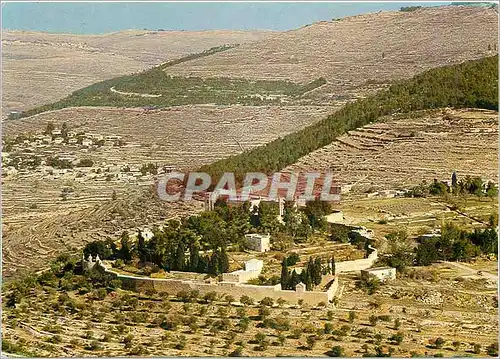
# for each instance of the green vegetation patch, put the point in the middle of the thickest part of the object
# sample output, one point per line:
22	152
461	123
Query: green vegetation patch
157	88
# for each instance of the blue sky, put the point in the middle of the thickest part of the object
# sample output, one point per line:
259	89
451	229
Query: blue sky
92	18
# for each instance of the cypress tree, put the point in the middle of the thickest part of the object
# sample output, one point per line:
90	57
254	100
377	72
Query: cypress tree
294	279
285	275
141	247
125	247
223	262
180	257
316	273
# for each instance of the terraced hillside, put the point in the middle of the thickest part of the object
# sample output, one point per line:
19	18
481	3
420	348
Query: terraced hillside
35	210
351	51
50	232
401	152
186	136
39	68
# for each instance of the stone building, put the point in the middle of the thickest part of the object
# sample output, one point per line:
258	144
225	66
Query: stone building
382	273
252	270
259	242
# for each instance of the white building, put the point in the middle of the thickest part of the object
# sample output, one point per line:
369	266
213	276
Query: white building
252	270
87	142
58	140
259	242
382	273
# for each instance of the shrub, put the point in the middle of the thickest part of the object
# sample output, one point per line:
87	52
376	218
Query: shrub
439	342
397	338
246	300
492	350
94	345
311	340
337	351
267	301
328	328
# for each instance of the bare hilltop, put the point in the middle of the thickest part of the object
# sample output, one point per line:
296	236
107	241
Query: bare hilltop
352	50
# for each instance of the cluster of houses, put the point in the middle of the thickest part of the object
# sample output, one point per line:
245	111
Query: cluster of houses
36	156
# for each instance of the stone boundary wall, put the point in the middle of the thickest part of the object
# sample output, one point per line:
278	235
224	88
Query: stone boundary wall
256	292
358	264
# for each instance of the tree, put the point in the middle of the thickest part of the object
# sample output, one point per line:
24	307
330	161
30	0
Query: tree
373	320
180	257
476	348
264	312
454	181
210	297
294	280
401	250
491	190
246	300
262	340
125	252
333	269
229	299
492	350
49	128
267	301
281	339
285	275
141	246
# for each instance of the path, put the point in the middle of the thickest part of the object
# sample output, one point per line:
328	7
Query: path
472	271
112	89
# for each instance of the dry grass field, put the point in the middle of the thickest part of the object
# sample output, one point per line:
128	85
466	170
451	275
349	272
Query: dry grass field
39	68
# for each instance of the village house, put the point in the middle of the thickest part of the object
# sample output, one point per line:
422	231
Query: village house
87	142
58	140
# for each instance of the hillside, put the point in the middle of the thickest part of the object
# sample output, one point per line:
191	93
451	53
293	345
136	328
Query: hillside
353	50
39	67
323	63
471	84
399	152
